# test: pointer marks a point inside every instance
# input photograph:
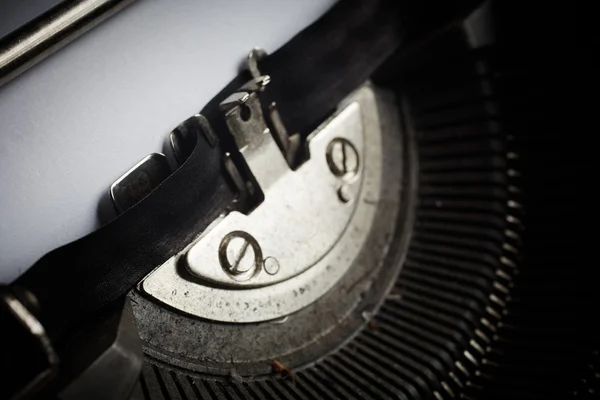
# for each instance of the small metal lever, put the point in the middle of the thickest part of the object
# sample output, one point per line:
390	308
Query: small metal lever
289	144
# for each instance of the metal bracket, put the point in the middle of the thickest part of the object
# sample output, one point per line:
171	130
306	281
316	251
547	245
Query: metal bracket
297	243
290	144
309	207
290	218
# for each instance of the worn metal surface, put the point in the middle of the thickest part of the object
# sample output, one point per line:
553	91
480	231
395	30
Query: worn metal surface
194	347
302	223
301	209
41	37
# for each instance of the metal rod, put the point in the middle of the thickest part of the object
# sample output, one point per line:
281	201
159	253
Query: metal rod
36	40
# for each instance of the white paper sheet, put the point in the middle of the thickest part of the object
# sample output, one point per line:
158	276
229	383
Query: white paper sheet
73	124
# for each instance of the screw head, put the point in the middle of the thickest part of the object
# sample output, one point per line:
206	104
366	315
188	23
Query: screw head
342	158
271	265
240	255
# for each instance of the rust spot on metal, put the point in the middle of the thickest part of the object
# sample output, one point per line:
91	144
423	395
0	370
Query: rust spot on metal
279	368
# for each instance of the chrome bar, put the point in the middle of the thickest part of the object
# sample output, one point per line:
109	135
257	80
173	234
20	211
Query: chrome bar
36	40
